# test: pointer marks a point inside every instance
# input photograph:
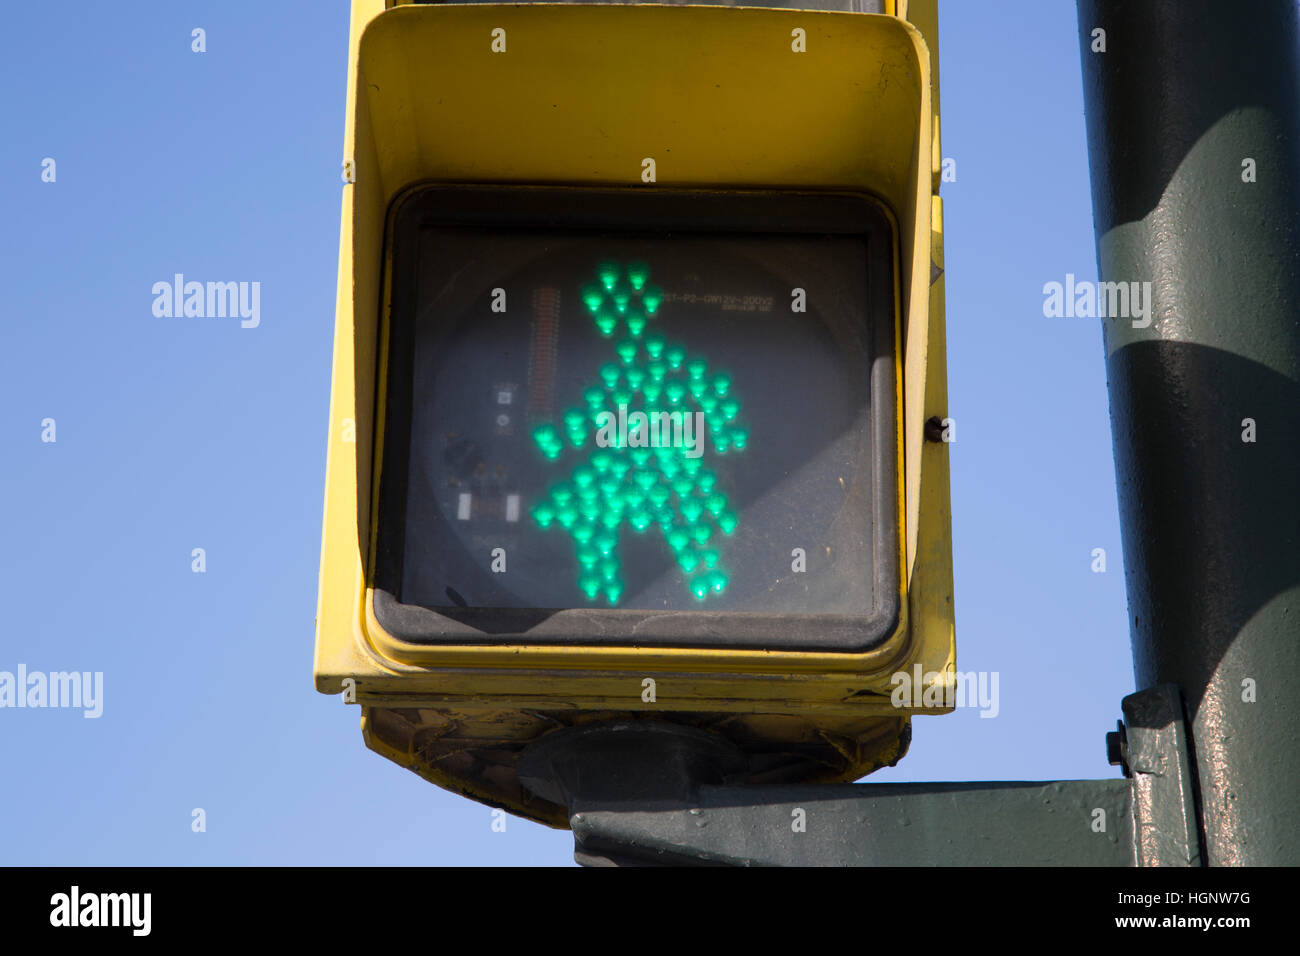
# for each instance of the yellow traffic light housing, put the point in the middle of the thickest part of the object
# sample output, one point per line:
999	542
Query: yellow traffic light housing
560	212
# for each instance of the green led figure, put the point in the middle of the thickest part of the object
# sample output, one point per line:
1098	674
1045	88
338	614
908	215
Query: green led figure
641	446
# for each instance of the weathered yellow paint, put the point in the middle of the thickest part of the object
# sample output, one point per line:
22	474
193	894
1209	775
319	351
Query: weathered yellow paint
472	751
583	94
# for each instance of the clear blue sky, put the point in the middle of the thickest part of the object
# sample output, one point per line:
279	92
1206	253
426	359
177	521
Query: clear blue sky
173	435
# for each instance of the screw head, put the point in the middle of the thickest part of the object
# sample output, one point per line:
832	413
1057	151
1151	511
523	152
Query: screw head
1117	747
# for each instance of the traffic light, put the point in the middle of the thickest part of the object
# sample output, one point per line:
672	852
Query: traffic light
639	327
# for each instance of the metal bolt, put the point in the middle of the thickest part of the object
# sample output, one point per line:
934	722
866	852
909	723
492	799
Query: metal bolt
1117	747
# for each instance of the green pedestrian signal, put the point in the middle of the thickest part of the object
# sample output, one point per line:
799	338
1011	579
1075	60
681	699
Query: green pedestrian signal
506	548
649	418
617	413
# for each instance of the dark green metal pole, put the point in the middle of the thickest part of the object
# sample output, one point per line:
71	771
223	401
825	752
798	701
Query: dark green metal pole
1193	113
